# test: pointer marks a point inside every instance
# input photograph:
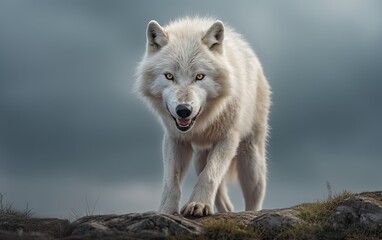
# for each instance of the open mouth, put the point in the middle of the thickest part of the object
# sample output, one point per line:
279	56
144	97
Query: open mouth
185	124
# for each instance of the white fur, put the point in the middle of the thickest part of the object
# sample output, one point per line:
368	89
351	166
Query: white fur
230	104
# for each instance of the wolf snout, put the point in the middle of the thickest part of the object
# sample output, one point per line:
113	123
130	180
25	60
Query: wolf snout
183	110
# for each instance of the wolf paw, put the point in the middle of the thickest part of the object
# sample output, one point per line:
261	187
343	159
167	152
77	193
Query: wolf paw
171	210
196	209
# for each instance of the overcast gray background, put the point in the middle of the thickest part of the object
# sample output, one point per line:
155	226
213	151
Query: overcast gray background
71	129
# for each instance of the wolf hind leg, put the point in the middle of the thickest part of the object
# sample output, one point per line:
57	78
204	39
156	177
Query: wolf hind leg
222	201
251	166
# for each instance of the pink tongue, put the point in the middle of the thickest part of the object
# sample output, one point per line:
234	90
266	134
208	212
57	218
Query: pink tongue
184	122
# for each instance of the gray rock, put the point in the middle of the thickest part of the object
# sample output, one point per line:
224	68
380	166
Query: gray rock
24	226
361	211
277	220
149	225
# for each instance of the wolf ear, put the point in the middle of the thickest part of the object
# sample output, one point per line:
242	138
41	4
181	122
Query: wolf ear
214	36
156	37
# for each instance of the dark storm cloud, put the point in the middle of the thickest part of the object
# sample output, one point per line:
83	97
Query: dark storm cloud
68	116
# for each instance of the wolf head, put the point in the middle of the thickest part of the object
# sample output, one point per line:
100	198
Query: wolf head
184	69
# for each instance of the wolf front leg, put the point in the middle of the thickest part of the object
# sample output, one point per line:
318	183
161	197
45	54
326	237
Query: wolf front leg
218	162
176	158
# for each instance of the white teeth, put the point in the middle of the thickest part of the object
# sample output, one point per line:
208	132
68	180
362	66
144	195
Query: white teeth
180	123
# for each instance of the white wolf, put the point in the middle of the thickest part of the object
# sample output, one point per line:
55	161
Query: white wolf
208	89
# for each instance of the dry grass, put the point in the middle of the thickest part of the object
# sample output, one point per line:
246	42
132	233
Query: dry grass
89	209
319	212
223	229
315	225
228	229
316	216
7	208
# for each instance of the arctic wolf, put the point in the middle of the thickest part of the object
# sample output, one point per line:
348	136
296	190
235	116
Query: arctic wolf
209	91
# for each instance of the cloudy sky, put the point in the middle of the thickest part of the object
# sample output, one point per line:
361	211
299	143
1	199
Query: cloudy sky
71	129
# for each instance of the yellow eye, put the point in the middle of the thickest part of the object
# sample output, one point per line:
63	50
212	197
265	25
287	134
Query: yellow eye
199	76
169	76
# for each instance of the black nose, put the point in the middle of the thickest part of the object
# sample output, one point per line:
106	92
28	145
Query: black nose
183	110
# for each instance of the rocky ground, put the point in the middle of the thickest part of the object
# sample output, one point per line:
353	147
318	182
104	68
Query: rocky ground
344	216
